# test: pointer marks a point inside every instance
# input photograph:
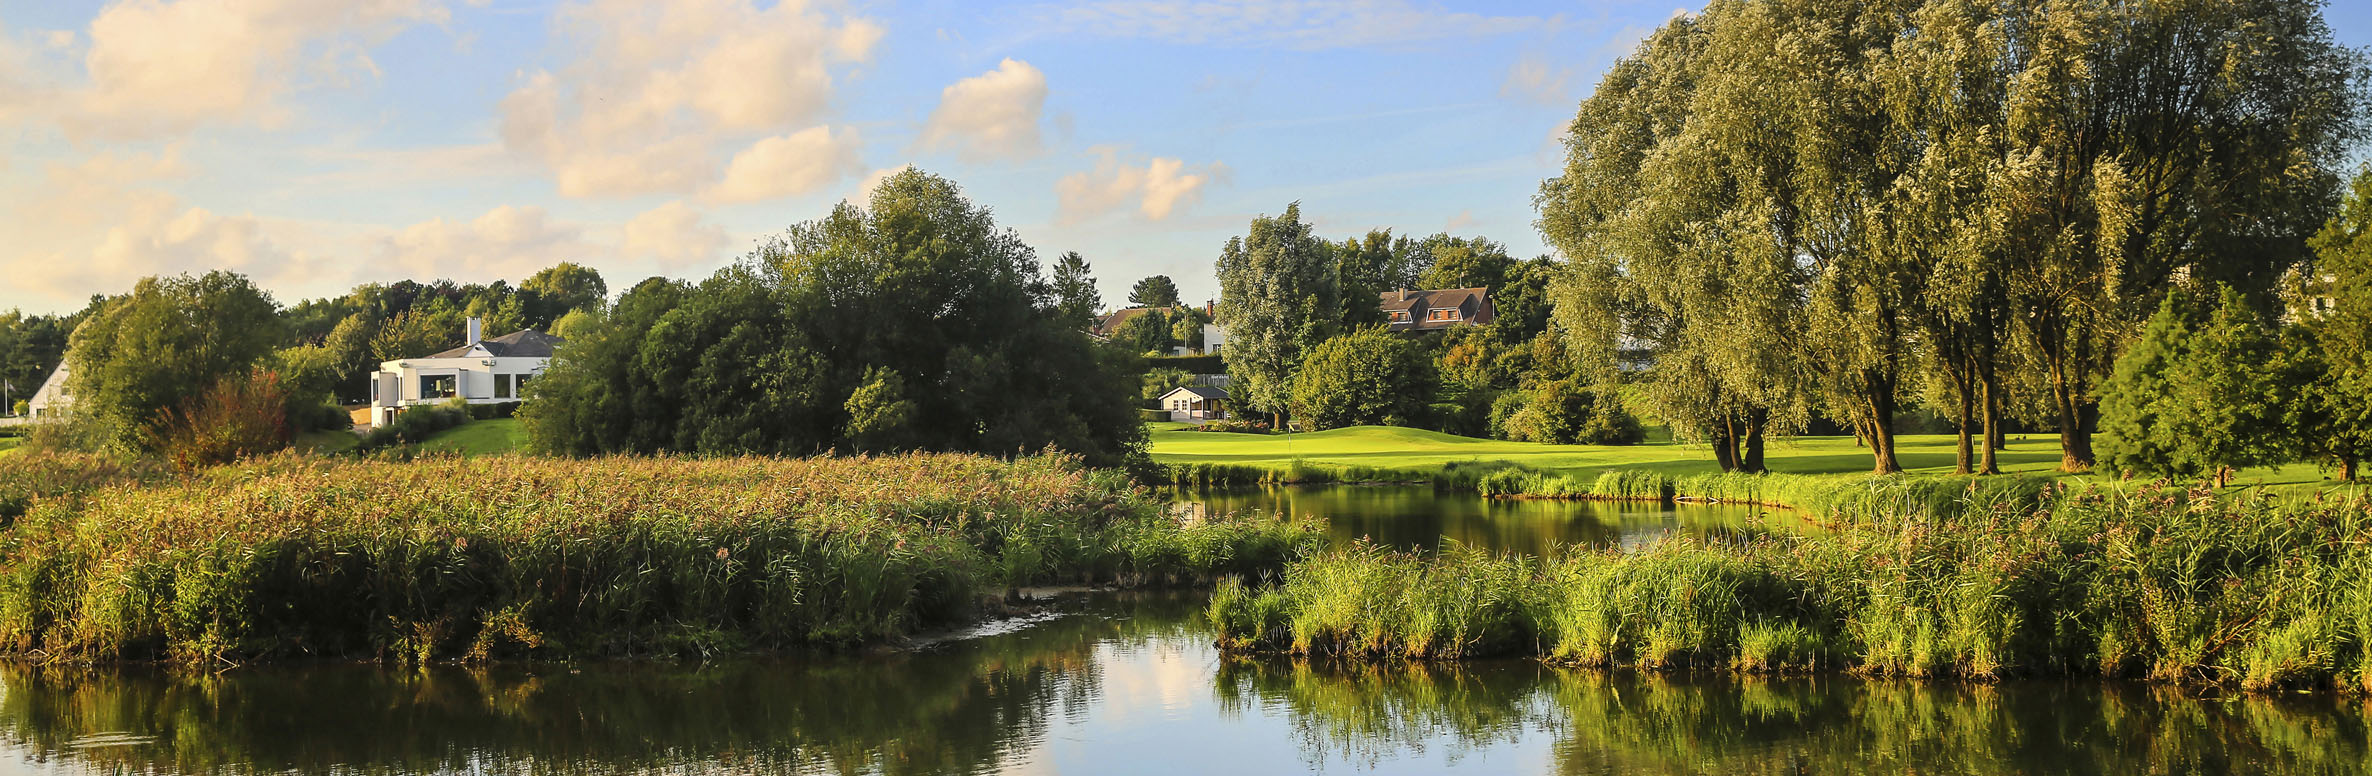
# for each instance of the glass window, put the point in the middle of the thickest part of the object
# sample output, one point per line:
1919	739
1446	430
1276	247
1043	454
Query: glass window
437	386
519	385
502	386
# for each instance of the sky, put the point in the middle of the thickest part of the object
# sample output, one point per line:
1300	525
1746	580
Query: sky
317	144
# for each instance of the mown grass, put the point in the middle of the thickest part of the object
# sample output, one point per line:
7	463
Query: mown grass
1404	454
478	437
446	558
2153	582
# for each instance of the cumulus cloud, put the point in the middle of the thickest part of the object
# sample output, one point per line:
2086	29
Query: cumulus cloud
160	68
992	115
872	180
653	90
674	235
509	241
1157	187
1299	24
789	165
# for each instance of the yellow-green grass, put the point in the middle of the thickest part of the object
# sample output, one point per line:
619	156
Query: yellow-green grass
327	442
479	437
10	444
1418	452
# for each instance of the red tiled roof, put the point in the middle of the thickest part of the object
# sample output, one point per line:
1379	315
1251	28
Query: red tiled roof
1473	306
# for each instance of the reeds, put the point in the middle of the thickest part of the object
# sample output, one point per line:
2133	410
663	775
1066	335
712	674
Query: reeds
449	558
1982	582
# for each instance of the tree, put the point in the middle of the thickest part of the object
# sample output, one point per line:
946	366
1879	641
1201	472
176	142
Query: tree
914	322
1155	291
2200	392
1367	377
2330	353
1460	262
1146	332
1075	296
163	345
1565	412
555	290
419	332
1279	295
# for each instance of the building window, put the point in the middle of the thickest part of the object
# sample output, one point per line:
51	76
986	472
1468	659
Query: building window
519	385
1442	314
502	387
438	386
1399	316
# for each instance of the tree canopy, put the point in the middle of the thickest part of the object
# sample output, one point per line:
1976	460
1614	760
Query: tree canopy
1155	291
163	345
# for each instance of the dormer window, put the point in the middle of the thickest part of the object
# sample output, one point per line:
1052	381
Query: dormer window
1399	316
1442	314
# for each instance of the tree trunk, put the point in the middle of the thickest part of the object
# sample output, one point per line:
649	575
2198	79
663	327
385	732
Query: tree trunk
2347	468
1725	446
1881	425
2075	435
1963	452
1993	432
1750	460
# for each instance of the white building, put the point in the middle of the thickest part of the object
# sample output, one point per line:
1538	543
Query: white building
485	371
1214	338
51	400
1195	403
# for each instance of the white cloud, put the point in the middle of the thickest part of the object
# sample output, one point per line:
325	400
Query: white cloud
654	91
507	242
162	68
99	224
991	115
1158	187
1533	79
1300	24
789	165
673	235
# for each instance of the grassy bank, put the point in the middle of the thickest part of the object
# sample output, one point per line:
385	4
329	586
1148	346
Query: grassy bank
449	558
2162	584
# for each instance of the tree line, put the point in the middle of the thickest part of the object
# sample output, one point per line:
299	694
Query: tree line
1839	208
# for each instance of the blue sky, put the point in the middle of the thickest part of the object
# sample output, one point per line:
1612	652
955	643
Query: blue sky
316	144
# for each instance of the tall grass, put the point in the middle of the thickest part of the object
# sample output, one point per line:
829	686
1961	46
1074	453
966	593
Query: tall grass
2163	584
447	558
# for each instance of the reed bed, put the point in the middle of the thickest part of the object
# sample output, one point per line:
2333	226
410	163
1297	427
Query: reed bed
27	478
448	558
2157	583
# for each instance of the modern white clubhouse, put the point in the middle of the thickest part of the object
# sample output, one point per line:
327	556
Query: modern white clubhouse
485	371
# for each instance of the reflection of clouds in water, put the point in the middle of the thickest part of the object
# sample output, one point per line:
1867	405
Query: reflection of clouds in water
1166	678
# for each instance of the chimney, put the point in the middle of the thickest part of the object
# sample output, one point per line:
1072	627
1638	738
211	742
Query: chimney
1404	295
474	331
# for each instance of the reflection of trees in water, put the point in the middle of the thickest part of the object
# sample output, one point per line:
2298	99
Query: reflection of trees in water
1420	517
1647	723
963	708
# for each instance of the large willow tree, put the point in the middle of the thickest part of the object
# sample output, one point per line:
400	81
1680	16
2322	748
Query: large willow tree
1813	205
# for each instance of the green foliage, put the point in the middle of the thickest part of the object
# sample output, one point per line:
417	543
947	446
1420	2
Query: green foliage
555	291
1461	262
162	346
2164	585
1564	412
1146	332
418	333
1158	291
2202	390
1368	377
442	558
1280	294
416	424
1075	296
769	356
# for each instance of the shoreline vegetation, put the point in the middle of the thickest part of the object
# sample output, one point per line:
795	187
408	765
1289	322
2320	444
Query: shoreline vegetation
2007	577
448	559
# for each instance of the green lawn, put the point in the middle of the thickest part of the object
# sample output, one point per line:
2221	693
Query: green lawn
9	444
1412	449
327	442
478	437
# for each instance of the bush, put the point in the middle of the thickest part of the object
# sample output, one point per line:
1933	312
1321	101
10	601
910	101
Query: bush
1564	412
239	417
318	416
415	425
496	411
1193	365
1370	377
1153	416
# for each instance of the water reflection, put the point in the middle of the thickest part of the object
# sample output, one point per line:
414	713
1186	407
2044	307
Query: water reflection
1421	518
1130	684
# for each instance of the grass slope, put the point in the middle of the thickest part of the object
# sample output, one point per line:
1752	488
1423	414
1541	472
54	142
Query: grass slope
1417	450
479	437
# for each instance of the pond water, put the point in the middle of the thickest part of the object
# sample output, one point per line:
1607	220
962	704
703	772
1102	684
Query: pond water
1129	683
1421	518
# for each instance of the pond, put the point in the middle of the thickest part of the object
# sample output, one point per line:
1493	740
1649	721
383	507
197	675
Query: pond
1128	683
1421	518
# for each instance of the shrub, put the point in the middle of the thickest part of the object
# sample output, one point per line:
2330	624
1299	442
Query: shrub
1370	377
239	417
495	411
416	424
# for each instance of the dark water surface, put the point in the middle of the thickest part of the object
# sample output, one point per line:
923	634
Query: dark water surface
1125	683
1422	518
1129	683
